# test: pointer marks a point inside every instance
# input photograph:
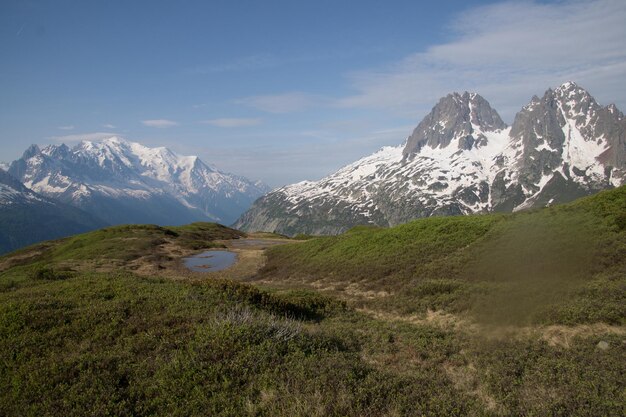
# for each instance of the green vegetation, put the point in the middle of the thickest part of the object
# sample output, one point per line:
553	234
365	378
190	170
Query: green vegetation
119	344
365	253
119	246
302	236
486	315
563	264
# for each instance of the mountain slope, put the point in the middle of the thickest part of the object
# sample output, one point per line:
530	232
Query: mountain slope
27	217
125	182
477	265
462	159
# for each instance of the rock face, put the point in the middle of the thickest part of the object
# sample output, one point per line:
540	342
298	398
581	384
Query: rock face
461	117
125	182
462	159
27	217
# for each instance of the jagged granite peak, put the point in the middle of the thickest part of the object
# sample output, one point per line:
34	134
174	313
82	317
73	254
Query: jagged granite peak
126	182
31	151
462	159
563	146
461	118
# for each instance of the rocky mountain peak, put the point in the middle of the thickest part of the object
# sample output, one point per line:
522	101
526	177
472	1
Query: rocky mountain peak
569	87
127	182
115	140
31	151
57	151
459	160
458	119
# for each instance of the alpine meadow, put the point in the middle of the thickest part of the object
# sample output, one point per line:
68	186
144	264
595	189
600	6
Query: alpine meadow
313	208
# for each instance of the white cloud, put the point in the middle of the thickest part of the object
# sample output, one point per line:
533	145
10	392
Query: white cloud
68	127
108	126
508	52
93	136
282	103
232	122
300	155
159	123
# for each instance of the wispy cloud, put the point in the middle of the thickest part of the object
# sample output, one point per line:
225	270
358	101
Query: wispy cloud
108	126
68	127
159	123
282	103
300	155
92	136
232	122
507	52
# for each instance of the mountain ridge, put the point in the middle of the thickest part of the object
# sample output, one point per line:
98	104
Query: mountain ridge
126	182
461	159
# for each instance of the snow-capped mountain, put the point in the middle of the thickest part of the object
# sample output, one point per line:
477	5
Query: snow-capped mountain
27	217
461	159
126	182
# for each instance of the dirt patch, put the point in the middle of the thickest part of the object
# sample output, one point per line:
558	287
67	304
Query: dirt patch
354	290
440	319
563	335
257	243
23	257
555	335
250	259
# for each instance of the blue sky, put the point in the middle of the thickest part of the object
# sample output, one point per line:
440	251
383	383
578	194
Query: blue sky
284	91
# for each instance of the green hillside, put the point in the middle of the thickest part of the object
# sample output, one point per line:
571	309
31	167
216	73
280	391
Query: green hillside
563	264
124	247
496	315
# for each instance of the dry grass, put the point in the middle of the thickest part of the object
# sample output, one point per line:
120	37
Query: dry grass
466	379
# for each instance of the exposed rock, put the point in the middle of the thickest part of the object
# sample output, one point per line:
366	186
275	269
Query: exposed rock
463	159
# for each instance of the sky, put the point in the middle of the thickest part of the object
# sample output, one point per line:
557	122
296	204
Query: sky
284	91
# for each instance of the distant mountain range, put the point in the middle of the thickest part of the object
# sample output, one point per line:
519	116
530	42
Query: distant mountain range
27	217
462	159
58	191
125	182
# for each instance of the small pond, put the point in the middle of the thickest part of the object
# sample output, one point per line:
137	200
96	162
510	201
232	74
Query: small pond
210	261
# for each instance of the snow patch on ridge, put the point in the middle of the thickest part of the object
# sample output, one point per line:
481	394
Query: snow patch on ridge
558	139
116	168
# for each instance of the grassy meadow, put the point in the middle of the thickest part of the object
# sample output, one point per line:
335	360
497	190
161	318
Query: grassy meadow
496	315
